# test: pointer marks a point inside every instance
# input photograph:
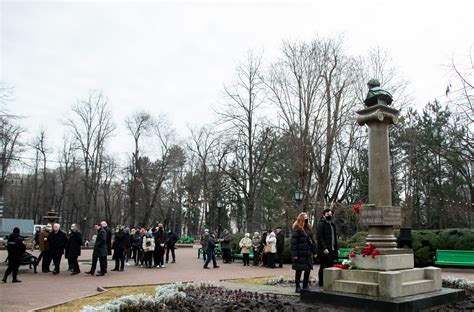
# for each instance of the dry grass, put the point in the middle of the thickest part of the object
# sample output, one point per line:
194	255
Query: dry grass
111	293
254	280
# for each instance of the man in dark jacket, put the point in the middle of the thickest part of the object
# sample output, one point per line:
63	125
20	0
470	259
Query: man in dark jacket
120	241
280	245
171	240
328	250
210	247
57	242
73	249
108	231
160	239
15	248
100	252
226	246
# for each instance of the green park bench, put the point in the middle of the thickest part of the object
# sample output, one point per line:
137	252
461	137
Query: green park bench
455	257
217	250
238	255
343	255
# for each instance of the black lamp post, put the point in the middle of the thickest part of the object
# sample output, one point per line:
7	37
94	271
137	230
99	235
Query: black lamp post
220	205
299	195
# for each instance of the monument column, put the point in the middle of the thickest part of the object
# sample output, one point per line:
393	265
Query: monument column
379	214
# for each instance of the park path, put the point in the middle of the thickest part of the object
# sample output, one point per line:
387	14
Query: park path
41	290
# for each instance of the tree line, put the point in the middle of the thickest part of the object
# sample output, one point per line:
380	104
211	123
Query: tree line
281	125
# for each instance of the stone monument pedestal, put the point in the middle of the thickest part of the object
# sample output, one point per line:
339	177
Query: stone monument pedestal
384	284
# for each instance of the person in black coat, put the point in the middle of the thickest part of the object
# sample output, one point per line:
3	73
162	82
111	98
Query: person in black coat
73	249
108	232
171	240
57	243
160	240
302	250
226	246
328	250
211	255
99	252
119	245
280	246
136	240
263	243
15	248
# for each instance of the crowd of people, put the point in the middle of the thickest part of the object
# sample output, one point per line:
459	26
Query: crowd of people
267	248
146	247
152	247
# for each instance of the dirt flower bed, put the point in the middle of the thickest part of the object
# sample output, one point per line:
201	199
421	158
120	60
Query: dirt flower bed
191	297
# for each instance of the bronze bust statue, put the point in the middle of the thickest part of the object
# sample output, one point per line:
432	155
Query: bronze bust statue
377	95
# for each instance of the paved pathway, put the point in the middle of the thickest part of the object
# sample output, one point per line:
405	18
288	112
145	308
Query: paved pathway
40	290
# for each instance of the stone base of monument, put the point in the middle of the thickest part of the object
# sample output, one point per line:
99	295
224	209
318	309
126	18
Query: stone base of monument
369	303
384	284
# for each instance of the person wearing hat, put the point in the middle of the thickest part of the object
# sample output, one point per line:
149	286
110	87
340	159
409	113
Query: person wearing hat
15	248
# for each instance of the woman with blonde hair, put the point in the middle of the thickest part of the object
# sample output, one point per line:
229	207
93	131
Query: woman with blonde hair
302	250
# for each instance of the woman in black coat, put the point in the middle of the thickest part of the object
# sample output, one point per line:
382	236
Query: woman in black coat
302	250
73	249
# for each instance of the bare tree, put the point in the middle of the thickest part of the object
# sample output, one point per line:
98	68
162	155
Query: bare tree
153	174
39	144
91	126
203	145
11	148
139	124
250	141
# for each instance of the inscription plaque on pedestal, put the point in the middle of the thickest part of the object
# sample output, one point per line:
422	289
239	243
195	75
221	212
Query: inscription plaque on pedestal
381	215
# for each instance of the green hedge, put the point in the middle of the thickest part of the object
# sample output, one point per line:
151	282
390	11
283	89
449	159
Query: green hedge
185	240
425	242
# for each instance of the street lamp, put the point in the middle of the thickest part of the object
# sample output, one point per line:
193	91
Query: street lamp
299	195
220	205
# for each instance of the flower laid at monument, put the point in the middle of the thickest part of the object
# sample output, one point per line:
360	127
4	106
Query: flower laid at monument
345	265
368	250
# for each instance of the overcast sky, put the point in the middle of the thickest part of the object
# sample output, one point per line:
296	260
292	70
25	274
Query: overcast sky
174	57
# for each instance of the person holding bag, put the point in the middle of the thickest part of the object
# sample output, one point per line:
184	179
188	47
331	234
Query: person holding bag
302	250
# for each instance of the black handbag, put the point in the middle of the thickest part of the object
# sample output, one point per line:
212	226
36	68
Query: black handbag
312	244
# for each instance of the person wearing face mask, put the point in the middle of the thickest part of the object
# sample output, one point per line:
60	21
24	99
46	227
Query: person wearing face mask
44	247
73	249
328	250
302	250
